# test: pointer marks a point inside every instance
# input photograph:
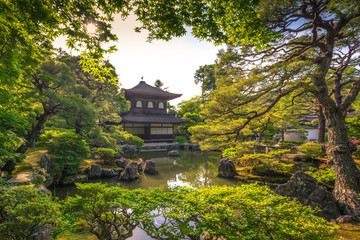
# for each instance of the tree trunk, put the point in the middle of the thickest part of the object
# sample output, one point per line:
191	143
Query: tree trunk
78	127
34	132
321	126
347	183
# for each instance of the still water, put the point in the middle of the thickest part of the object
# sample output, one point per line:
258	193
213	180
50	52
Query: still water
193	169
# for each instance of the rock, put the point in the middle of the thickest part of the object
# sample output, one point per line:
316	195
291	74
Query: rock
130	172
140	165
43	233
174	153
309	192
133	152
68	180
95	171
150	167
108	173
81	178
227	168
118	155
345	219
46	163
118	171
44	190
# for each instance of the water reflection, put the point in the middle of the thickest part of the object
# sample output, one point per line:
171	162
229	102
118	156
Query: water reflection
192	169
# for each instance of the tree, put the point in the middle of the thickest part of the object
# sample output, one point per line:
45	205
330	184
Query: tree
310	47
190	110
316	54
206	77
106	210
24	211
68	150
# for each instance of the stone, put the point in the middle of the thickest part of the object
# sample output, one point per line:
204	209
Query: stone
345	219
130	172
95	171
133	152
44	190
46	162
108	173
118	155
150	167
43	233
81	178
68	180
227	168
309	192
174	153
118	171
140	164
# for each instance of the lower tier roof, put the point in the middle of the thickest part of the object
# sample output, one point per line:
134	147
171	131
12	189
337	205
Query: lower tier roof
151	118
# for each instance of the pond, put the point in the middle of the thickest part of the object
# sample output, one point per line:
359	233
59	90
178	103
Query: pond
193	168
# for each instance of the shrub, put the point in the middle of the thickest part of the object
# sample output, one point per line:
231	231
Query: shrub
253	159
289	144
106	154
326	175
133	140
180	139
233	154
278	154
106	210
23	211
68	150
242	212
268	142
312	150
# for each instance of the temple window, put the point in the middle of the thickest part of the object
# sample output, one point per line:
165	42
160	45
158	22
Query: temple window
161	105
150	105
138	104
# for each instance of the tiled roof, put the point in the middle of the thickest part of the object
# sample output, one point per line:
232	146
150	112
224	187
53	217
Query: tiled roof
144	89
151	118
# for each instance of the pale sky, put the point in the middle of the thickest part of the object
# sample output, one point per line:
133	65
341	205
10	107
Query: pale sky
173	62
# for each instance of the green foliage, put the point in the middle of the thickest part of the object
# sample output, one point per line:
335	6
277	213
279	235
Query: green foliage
110	212
106	154
106	210
11	128
233	153
23	211
289	144
133	140
180	139
312	150
325	175
243	212
253	159
205	76
269	169
68	150
278	154
353	124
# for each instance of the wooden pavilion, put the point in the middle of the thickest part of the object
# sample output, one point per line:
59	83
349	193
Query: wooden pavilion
148	117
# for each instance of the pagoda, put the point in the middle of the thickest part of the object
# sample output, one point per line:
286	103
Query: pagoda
148	117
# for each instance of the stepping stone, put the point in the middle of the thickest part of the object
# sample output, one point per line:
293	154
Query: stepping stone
21	177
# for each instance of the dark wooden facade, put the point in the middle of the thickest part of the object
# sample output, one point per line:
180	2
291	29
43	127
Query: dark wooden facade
148	117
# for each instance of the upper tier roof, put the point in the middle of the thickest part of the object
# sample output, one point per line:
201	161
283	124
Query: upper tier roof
146	90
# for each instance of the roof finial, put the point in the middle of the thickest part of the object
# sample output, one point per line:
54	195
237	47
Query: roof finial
142	80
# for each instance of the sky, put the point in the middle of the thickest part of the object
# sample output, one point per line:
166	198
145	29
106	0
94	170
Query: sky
173	62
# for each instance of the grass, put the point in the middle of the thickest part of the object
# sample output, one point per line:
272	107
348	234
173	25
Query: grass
349	230
75	236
